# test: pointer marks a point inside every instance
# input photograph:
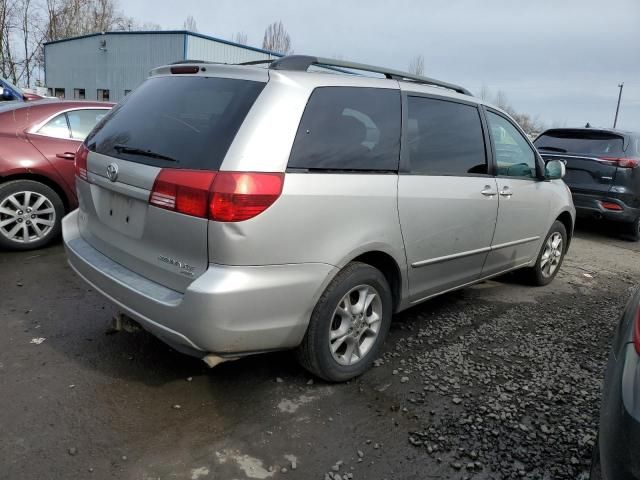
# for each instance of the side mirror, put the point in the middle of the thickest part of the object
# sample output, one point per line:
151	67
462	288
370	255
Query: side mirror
554	170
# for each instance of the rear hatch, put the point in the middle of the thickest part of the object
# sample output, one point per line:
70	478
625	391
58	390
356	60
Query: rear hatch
149	167
591	157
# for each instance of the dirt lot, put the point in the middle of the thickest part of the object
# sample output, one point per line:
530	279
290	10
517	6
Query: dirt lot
499	380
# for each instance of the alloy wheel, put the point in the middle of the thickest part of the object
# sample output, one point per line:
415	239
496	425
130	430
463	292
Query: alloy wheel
26	217
552	255
355	325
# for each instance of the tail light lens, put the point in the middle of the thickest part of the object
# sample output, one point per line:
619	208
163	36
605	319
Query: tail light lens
220	196
183	191
81	162
636	331
611	206
623	162
240	196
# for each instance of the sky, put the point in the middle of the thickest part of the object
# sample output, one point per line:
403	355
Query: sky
558	60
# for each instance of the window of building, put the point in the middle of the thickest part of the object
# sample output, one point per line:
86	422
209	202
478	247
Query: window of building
445	138
349	128
50	92
103	95
82	121
127	92
514	155
56	127
78	94
59	93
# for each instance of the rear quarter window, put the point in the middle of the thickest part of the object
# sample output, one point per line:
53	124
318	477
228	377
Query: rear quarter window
183	122
349	128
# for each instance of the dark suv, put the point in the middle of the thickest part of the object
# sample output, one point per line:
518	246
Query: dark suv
603	171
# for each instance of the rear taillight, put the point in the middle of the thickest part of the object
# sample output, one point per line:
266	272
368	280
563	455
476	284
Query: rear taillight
238	196
623	162
636	330
220	196
81	162
611	206
183	191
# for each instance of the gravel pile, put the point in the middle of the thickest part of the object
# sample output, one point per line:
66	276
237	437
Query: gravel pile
516	386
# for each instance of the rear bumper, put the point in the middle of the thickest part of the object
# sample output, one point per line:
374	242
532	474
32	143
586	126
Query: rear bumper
228	310
590	206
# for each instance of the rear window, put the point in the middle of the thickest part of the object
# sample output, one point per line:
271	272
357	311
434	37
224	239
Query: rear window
349	128
590	143
176	122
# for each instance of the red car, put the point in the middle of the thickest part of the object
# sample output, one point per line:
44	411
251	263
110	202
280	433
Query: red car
38	141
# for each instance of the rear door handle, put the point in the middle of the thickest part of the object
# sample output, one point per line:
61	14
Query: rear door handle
506	192
66	155
488	191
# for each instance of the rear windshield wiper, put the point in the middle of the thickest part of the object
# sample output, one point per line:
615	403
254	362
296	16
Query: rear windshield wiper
141	151
553	149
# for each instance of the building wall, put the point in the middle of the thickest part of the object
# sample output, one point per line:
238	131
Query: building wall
126	62
127	59
199	48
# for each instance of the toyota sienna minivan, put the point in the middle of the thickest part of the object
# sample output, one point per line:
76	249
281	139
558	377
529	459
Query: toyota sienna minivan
239	209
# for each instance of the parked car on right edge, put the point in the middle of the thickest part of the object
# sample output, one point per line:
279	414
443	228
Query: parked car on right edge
617	452
603	172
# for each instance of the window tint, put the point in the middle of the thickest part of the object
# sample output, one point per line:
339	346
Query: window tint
514	156
56	127
580	141
83	121
349	128
192	120
444	138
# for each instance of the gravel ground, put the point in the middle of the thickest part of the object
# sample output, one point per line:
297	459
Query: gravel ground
496	381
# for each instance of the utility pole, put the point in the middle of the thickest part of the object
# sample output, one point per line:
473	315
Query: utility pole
615	121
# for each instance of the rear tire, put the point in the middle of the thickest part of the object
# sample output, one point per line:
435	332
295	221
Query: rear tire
348	325
550	257
30	215
633	230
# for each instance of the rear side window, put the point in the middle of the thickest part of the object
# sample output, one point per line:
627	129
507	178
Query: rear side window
176	122
56	127
580	141
349	128
444	138
82	121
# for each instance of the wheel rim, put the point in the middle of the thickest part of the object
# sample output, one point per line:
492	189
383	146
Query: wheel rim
552	255
355	325
26	217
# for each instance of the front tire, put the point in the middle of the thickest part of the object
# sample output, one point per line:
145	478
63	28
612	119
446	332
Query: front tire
550	257
348	325
30	215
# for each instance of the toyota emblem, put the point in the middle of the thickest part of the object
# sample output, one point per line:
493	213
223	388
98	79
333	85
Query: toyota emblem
112	172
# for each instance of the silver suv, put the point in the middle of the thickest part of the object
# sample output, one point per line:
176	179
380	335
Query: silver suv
238	209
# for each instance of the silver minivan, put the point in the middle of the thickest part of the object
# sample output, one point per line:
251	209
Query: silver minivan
239	209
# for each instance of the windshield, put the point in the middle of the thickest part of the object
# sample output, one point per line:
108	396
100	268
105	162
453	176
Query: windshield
578	141
176	121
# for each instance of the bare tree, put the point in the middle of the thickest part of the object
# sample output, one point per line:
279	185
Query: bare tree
501	101
416	65
239	37
190	24
276	39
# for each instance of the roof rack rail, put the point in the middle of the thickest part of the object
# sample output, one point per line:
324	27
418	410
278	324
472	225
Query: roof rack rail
301	63
255	62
